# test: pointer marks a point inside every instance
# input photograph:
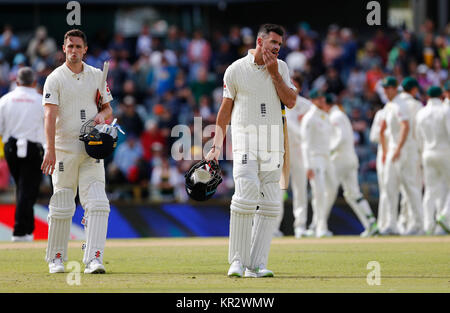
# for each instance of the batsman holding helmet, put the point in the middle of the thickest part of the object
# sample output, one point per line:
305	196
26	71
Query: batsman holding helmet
254	87
71	98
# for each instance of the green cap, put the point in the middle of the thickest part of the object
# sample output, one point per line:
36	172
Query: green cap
447	85
409	83
434	91
390	81
315	93
330	98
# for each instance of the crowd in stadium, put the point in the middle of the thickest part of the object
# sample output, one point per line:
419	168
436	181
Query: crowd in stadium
159	81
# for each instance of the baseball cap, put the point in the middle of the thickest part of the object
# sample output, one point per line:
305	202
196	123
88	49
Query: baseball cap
434	91
409	83
389	81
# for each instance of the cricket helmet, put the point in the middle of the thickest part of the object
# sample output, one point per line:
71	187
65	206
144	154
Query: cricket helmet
99	140
202	180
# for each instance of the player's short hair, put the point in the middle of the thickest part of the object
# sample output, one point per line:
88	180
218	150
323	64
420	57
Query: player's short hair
267	28
76	33
25	76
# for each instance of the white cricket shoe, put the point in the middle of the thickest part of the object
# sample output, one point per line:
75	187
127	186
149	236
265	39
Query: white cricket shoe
25	238
56	266
300	232
278	233
372	230
442	222
95	267
259	272
236	269
324	233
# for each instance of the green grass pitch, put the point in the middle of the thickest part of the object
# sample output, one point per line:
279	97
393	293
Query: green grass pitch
175	265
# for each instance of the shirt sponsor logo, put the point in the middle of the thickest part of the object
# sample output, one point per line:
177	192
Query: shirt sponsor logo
47	95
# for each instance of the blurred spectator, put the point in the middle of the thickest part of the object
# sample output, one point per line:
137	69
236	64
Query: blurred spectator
4	75
126	156
9	43
144	41
41	46
202	85
199	54
151	135
128	118
164	180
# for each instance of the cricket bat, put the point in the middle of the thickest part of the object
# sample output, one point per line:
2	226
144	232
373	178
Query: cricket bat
99	97
284	180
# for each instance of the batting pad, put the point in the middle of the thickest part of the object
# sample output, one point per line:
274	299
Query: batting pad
96	222
264	224
61	210
241	217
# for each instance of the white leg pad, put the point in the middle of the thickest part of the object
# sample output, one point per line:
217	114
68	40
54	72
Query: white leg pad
241	218
264	225
61	210
96	222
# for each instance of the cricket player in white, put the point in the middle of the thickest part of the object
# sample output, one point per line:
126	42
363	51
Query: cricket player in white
315	134
390	85
298	181
254	87
346	163
401	157
69	101
433	135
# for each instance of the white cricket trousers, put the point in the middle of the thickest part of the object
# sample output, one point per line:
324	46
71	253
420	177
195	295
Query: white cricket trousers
403	171
346	170
299	185
323	189
436	200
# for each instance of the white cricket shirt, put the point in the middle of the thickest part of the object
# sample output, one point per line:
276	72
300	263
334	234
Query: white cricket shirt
256	119
22	115
75	96
342	138
433	126
293	117
315	133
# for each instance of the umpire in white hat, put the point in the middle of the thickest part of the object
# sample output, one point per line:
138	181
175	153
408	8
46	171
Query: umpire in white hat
22	130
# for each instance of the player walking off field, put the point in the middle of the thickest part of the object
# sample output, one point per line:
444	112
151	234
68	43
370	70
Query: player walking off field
346	163
433	135
69	101
401	158
254	87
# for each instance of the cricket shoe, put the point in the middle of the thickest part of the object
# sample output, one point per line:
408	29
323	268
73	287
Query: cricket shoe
95	267
372	230
236	269
300	232
56	266
259	272
278	233
414	232
323	234
24	238
441	221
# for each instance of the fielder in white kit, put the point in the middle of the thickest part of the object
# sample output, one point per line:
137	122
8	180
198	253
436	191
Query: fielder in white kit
316	131
390	86
433	135
346	164
401	160
69	101
254	87
298	181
